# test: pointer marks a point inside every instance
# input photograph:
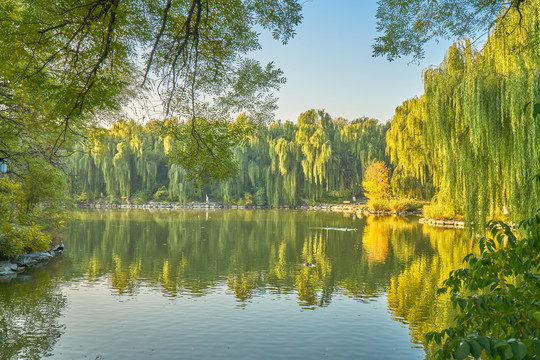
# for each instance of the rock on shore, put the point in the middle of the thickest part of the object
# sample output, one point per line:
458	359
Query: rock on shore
10	268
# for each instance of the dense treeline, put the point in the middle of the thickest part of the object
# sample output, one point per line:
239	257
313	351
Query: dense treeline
477	123
475	133
316	159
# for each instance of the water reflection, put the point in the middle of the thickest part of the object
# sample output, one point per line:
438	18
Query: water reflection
29	321
250	253
187	252
412	294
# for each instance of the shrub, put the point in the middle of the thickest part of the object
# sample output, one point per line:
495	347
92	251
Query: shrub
19	232
440	211
162	194
246	200
82	198
141	197
394	204
260	197
496	295
19	239
378	204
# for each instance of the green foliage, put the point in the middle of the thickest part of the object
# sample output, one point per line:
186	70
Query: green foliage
131	160
394	204
476	124
408	150
162	194
440	211
19	231
204	148
141	197
440	208
496	295
42	183
246	200
260	197
82	198
410	187
314	128
68	63
408	25
376	185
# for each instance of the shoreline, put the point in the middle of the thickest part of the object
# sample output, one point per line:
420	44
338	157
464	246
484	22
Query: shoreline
359	208
10	268
449	224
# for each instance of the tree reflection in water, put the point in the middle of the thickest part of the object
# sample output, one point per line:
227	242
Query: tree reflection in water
249	253
29	320
412	293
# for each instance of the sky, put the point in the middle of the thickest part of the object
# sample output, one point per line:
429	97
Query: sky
329	64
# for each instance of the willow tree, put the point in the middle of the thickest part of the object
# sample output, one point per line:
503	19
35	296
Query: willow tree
365	141
273	163
252	161
283	176
121	161
408	150
316	148
481	125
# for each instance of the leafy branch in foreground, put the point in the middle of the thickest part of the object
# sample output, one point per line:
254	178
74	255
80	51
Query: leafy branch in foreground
69	64
206	147
497	296
407	26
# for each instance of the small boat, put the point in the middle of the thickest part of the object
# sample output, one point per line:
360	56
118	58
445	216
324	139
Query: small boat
308	264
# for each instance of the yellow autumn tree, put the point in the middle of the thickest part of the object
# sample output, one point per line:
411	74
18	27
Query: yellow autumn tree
376	185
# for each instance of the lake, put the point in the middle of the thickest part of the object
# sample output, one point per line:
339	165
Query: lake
233	284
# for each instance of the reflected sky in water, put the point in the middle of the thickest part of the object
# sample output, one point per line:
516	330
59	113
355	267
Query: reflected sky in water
233	284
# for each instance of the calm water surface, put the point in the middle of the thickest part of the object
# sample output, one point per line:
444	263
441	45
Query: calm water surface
231	284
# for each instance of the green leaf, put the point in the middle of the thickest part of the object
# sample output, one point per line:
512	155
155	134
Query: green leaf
536	109
476	348
462	351
462	303
484	342
519	350
508	353
438	339
537	348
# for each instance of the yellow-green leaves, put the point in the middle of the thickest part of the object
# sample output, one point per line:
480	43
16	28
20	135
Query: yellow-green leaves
477	124
376	185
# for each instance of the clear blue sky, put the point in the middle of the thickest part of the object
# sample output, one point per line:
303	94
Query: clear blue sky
329	64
